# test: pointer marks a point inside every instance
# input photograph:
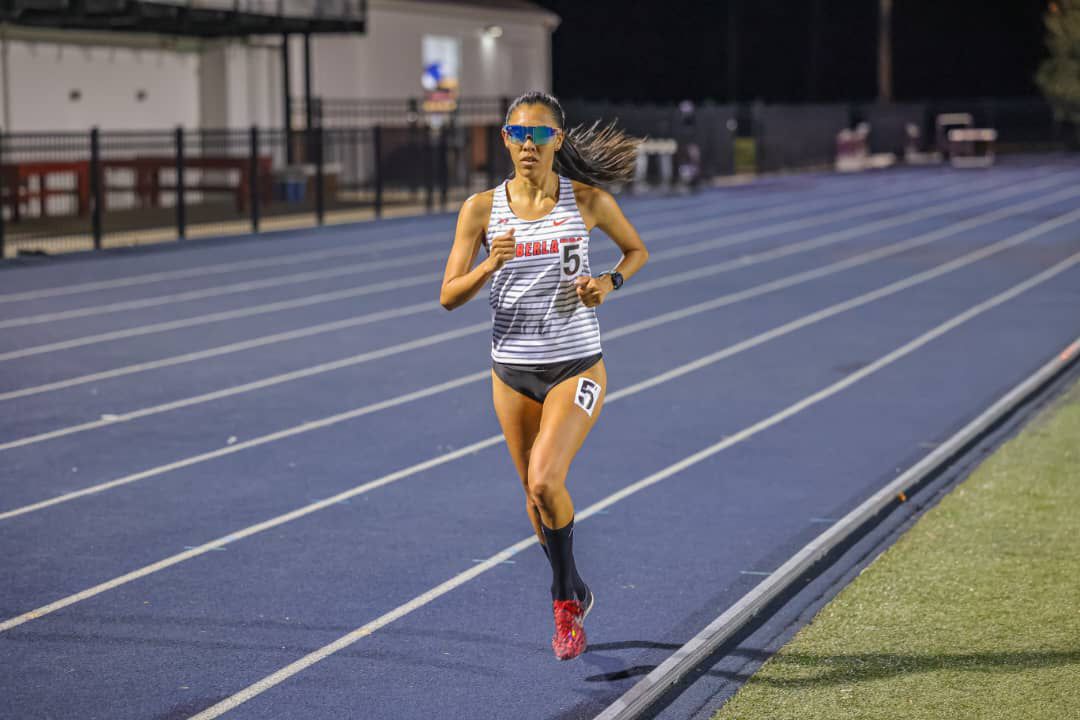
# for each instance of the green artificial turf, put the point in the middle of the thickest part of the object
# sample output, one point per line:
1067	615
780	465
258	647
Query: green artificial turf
974	613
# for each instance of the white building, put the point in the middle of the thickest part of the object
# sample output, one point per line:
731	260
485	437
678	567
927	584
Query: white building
73	79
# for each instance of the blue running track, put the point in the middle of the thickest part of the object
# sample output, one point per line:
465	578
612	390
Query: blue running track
263	479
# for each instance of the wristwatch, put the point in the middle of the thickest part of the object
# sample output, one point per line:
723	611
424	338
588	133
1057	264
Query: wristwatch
616	279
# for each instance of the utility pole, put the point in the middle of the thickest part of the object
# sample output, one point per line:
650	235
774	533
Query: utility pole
815	52
732	52
885	86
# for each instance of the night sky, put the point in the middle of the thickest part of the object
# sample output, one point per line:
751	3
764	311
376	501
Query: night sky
627	50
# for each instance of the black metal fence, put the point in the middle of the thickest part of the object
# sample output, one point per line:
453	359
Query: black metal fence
61	192
88	190
704	135
801	136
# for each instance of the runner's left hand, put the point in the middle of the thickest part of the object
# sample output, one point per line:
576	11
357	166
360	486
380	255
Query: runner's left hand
592	290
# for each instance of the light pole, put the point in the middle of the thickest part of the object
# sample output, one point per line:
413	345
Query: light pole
815	51
885	88
732	52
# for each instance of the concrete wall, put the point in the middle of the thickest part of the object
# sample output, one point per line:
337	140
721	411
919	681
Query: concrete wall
55	85
240	84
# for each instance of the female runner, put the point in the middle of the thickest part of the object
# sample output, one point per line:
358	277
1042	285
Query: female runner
548	376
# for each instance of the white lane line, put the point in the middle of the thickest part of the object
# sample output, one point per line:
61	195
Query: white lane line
231	288
508	553
665	318
222	268
367	247
845	306
288	259
644	693
220	290
300	429
832	238
115	418
461	452
669	231
812	243
675	279
248	532
262	341
307	301
724	241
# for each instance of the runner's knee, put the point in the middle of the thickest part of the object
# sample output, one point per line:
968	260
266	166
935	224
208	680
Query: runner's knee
547	476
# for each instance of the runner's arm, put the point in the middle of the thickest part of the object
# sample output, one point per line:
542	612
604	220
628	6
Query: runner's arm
460	283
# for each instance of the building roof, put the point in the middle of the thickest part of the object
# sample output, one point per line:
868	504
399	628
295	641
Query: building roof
200	18
523	7
494	4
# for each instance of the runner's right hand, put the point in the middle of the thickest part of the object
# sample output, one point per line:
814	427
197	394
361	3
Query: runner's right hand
502	250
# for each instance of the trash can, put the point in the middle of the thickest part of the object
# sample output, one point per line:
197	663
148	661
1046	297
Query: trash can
290	184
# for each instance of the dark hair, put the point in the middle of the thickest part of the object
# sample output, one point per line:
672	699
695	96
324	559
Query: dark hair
590	154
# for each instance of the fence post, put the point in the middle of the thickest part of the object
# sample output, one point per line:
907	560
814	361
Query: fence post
758	130
731	126
376	136
254	178
95	186
467	152
14	197
444	167
492	133
181	201
497	137
287	98
429	172
416	149
320	199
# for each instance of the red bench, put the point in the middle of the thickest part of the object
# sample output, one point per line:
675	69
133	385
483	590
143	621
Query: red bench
20	188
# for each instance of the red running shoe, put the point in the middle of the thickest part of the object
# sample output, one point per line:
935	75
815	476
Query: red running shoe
569	639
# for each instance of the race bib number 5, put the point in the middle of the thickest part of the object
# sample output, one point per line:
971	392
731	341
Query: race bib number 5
571	259
588	392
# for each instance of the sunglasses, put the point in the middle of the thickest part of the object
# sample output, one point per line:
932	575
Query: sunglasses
540	134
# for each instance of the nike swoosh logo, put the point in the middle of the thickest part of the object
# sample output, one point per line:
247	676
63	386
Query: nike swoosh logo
559	222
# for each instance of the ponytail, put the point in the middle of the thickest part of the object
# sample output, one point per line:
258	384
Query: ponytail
591	154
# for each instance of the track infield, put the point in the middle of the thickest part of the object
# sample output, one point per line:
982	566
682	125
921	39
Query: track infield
974	613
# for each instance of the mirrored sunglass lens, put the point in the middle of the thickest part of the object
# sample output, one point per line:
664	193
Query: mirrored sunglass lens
542	134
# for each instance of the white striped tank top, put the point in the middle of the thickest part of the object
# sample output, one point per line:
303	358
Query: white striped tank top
537	317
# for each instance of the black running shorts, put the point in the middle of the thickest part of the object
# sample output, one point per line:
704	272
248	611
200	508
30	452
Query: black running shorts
536	381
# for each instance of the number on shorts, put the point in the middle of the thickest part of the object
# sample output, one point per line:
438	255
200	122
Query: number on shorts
588	392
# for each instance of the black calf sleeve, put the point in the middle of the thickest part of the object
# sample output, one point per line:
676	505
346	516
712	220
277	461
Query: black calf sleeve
566	584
